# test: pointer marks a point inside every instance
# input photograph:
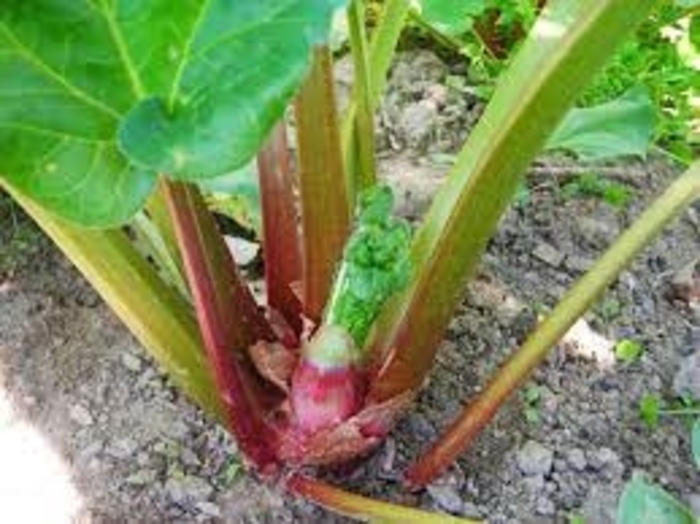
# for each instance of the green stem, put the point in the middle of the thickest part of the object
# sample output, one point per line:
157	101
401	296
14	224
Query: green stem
154	312
157	210
682	412
575	303
147	230
381	52
363	164
384	43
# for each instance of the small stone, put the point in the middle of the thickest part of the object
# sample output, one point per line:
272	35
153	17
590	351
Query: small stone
534	484
685	284
686	381
600	505
188	489
548	254
446	497
81	416
578	264
189	458
131	362
534	459
142	477
418	121
598	232
121	449
471	510
209	509
576	459
545	507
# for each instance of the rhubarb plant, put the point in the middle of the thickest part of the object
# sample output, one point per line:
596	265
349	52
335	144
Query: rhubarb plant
115	117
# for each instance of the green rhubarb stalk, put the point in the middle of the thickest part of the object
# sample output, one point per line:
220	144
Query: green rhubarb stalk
157	315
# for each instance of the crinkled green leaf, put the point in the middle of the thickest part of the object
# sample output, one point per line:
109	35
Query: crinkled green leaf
624	126
375	265
240	63
643	502
202	81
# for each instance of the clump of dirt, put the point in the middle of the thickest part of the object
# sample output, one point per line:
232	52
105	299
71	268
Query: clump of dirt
138	451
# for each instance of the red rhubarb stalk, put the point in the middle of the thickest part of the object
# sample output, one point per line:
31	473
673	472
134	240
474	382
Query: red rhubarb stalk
281	239
229	321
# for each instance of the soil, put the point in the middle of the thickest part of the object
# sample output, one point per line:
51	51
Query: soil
121	445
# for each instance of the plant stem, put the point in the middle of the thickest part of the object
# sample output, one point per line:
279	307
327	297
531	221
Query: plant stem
364	508
363	163
157	316
281	239
325	203
533	95
384	43
229	320
145	228
574	304
683	412
381	52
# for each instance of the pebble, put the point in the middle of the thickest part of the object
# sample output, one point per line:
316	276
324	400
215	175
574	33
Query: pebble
578	264
189	458
131	362
188	489
121	449
142	477
545	507
447	497
598	232
471	510
602	457
687	379
209	509
418	121
600	505
576	459
80	415
535	459
548	254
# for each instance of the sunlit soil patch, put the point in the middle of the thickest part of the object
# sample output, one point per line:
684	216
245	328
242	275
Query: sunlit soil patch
35	482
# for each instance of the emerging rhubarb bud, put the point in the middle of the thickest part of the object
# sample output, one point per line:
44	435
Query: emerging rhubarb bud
328	384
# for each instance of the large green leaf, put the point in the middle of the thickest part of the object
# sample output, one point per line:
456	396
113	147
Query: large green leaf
624	126
201	83
241	63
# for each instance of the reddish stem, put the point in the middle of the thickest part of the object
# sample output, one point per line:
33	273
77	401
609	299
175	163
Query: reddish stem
325	204
229	321
281	239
